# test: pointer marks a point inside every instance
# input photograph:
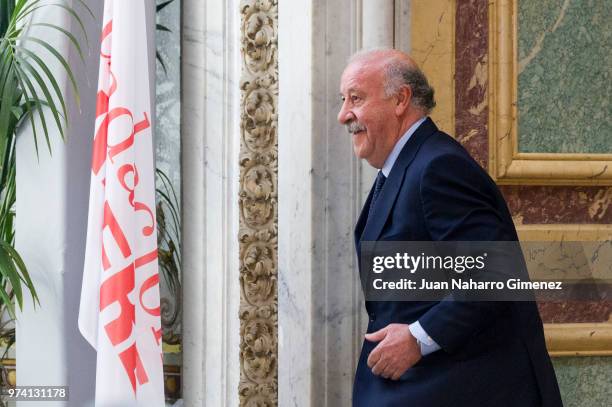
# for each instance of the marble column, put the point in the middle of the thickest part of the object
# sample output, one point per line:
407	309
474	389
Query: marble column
321	188
381	22
378	19
210	136
285	250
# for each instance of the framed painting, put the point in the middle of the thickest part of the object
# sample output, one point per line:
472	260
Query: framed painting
549	115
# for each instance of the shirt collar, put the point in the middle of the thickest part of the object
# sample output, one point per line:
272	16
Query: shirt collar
386	169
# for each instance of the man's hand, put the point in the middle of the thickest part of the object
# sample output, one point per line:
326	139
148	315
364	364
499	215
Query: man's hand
397	351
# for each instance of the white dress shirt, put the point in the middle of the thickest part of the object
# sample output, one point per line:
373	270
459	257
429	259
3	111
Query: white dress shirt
397	149
427	344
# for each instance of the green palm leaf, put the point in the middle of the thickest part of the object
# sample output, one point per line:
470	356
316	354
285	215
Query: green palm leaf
161	27
28	89
168	233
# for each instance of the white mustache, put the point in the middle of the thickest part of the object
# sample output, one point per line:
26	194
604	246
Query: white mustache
355	127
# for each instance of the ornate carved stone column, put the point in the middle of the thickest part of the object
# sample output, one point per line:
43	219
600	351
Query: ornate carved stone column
258	204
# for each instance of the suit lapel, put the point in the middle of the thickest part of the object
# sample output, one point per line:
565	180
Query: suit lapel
380	213
363	217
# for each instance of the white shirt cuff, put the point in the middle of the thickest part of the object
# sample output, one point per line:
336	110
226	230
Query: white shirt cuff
427	344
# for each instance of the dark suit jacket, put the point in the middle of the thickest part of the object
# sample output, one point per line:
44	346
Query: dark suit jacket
493	353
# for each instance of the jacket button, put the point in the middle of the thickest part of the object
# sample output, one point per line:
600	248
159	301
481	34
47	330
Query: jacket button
372	317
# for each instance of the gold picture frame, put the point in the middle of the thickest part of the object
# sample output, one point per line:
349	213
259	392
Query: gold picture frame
506	164
573	339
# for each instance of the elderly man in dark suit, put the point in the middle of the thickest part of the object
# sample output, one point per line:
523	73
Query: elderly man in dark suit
428	188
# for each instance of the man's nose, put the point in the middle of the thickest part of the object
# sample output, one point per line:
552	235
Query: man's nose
345	115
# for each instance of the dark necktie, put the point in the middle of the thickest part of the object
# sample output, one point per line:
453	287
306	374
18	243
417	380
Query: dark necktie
378	186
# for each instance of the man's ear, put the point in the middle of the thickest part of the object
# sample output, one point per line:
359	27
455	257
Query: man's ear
403	99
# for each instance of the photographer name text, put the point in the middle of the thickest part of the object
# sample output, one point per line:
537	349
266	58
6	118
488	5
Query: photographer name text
468	284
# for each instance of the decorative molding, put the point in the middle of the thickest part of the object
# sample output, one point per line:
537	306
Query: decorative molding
573	339
587	232
258	204
579	339
506	164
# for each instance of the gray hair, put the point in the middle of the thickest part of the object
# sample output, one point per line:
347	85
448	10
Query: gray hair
398	73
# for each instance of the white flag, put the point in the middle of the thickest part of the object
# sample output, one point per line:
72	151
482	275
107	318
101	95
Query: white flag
120	313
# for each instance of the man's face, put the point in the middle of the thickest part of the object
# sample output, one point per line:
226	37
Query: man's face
367	113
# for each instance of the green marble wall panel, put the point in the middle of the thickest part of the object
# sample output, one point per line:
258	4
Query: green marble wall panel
564	76
585	381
